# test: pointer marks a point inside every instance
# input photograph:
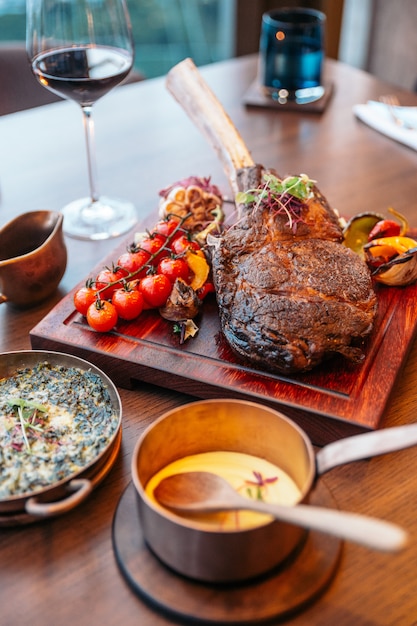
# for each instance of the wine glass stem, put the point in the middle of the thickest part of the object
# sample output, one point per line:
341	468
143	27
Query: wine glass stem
88	123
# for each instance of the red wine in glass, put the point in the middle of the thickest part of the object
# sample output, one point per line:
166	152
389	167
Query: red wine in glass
83	73
81	49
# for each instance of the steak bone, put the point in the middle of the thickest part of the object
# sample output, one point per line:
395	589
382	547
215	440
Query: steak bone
187	86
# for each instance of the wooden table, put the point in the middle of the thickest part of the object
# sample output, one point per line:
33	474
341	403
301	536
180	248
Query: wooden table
64	571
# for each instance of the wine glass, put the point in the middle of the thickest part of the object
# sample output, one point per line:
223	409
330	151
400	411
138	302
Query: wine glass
81	49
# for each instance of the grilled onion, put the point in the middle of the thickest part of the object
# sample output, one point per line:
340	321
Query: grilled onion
392	260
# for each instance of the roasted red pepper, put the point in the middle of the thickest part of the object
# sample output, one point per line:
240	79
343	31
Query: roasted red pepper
384	228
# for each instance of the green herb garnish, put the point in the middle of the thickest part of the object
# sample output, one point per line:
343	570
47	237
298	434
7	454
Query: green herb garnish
282	195
27	411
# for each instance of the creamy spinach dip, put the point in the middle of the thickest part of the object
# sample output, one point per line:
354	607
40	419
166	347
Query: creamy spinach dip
54	420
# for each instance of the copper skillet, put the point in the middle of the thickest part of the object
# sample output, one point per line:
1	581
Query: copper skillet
61	496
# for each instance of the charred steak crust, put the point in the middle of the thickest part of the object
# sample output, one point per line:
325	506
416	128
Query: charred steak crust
288	300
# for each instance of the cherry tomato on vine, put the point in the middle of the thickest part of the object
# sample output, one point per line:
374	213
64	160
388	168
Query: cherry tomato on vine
155	289
84	297
173	268
107	276
128	302
132	261
102	316
166	227
182	243
154	244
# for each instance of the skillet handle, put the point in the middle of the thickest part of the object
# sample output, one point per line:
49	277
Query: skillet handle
365	446
81	488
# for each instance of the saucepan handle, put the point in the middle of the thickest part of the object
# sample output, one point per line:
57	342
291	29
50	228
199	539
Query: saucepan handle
365	446
80	488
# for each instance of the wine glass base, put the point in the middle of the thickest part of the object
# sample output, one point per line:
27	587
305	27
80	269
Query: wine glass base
101	219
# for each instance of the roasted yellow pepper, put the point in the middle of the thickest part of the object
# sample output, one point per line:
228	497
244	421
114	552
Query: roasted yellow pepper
198	265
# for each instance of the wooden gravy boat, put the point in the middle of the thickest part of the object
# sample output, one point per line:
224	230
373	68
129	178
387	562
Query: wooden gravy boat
33	258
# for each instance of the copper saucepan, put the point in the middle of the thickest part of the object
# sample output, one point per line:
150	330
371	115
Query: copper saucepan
240	426
65	494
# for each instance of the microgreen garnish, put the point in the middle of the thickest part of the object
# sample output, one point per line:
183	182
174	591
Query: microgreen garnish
179	329
258	483
286	195
27	411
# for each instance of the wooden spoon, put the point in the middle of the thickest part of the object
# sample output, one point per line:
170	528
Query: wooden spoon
203	491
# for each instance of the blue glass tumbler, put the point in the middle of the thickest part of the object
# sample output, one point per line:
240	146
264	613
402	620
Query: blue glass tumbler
291	53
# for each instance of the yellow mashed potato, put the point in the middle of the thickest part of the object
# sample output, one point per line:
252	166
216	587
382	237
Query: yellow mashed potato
251	476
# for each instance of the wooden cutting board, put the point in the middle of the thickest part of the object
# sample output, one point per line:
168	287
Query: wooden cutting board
334	400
